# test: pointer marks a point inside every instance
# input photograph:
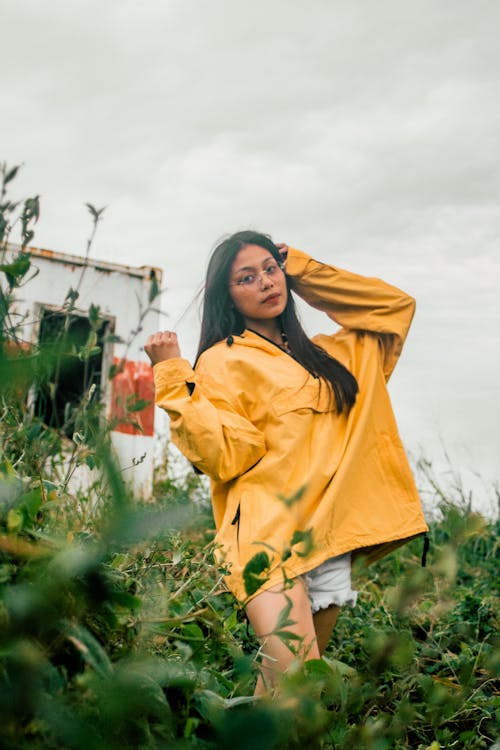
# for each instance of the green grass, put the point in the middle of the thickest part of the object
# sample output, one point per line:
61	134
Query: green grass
118	632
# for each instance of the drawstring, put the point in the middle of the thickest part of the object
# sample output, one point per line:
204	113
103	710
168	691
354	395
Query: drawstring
425	549
229	340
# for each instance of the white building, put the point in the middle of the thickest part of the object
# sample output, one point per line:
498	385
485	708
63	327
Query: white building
127	312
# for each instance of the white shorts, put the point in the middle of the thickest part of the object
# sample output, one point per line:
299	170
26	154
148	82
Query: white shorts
330	583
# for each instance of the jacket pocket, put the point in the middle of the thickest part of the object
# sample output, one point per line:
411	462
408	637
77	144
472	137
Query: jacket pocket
314	396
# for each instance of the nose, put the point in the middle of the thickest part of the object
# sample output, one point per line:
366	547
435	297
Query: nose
265	280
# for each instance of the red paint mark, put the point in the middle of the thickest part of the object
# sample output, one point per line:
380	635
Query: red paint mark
132	386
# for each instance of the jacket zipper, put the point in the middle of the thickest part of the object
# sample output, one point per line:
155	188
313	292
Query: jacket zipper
236	522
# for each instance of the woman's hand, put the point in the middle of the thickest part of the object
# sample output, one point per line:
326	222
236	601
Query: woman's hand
162	345
283	250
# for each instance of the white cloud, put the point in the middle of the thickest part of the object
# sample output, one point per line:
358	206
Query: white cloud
367	133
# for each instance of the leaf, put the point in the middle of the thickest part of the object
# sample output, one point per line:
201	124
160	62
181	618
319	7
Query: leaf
14	521
240	700
90	649
3	227
115	370
317	668
255	573
290	500
95	316
334	665
208	704
71	296
11	174
68	409
87	353
287	635
283	618
231	623
135	691
305	538
112	338
136	404
30	503
8	206
7	471
192	632
31	209
90	461
126	600
95	212
154	289
17	269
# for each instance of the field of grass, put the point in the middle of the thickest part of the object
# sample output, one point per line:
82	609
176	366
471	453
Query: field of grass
116	631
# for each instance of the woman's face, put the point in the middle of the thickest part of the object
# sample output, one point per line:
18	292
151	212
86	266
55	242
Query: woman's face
257	285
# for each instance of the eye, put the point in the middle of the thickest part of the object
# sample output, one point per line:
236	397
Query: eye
271	270
248	278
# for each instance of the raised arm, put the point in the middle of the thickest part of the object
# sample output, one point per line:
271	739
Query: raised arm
205	425
354	302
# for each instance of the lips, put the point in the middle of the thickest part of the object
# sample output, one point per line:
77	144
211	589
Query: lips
271	299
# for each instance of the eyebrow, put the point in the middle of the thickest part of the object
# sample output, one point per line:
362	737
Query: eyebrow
254	268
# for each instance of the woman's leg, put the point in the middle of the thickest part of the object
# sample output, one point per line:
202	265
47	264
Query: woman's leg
324	622
329	582
264	611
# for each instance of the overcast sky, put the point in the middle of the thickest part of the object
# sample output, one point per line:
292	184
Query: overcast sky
366	133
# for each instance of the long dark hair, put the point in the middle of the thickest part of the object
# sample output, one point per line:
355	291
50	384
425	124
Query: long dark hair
221	320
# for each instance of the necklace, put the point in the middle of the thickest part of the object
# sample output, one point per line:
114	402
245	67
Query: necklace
285	345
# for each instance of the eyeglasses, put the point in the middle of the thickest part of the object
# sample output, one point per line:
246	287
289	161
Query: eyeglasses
251	279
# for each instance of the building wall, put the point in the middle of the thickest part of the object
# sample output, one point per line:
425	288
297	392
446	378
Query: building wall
122	294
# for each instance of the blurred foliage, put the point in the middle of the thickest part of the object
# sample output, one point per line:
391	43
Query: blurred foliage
116	630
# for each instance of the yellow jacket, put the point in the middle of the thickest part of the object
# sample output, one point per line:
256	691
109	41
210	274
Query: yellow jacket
280	459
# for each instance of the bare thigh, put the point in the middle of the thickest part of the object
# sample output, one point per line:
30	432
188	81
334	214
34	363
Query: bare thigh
264	612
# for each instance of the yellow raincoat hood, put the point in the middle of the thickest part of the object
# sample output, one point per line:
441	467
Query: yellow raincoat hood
291	477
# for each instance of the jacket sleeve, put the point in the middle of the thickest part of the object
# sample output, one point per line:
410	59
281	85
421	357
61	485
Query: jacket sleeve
354	302
205	425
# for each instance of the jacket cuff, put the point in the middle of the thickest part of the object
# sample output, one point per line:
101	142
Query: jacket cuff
296	262
171	372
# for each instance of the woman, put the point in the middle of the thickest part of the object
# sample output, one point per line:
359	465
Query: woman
297	436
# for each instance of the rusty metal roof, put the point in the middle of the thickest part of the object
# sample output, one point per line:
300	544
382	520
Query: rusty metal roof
145	272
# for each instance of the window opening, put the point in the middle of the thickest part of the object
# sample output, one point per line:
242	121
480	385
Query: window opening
66	377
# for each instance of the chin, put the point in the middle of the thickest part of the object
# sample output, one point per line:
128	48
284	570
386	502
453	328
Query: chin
275	313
